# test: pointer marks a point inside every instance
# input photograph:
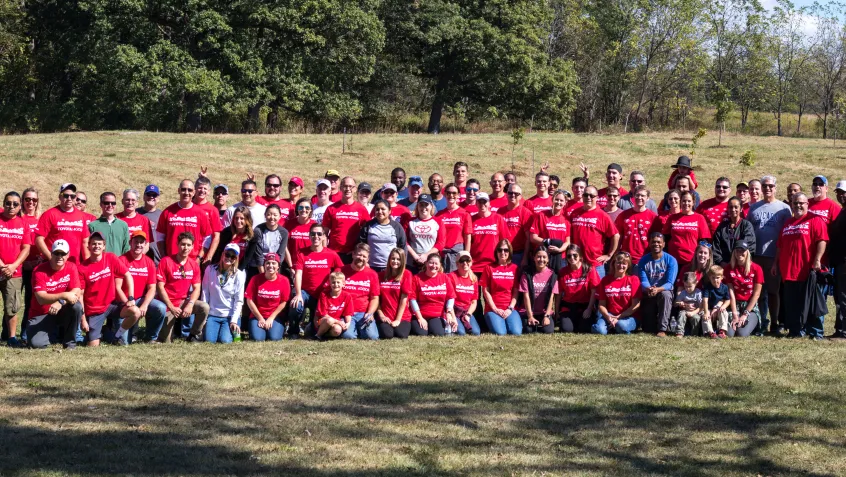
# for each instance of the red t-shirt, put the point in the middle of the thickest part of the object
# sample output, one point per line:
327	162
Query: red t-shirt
297	236
571	207
14	233
487	232
175	220
518	220
392	291
316	267
466	290
548	226
700	277
266	294
618	293
32	224
538	204
797	246
685	232
98	282
338	307
634	228
400	213
498	203
602	196
213	215
501	281
88	218
714	212
457	223
590	229
139	222
72	227
285	207
344	223
574	287
471	209
826	209
45	279
177	278
362	285
742	283
432	293
143	273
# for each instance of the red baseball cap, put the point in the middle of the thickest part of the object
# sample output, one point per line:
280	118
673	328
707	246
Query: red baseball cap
272	257
297	180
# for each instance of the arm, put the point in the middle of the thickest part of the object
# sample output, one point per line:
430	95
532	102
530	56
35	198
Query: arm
527	302
603	310
177	312
41	246
255	311
818	254
85	253
467	241
298	288
632	308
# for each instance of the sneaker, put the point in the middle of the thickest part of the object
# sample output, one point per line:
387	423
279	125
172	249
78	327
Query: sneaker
817	338
120	342
722	335
71	345
661	334
712	335
14	343
836	336
679	335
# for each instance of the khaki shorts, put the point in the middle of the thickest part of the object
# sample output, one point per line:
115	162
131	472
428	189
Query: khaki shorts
10	290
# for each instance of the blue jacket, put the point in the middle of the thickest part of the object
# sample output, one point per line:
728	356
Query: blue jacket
658	273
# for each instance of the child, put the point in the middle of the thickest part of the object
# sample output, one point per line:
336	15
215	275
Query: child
717	297
689	301
682	168
335	308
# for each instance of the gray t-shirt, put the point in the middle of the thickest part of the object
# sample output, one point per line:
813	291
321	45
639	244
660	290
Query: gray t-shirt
625	203
381	239
694	298
767	219
154	220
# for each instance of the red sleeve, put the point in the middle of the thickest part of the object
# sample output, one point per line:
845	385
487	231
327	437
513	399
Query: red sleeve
467	224
80	277
161	272
250	291
338	263
206	228
535	223
285	294
450	289
668	226
620	223
634	282
673	177
835	211
593	278
214	223
322	304
440	241
44	225
348	306
327	218
375	288
693	179
298	261
415	284
600	290
38	279
502	227
704	230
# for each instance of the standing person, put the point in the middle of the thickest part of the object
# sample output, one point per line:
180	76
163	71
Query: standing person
81	203
746	280
458	228
267	295
612	196
801	247
755	193
362	283
498	197
626	202
398	212
364	192
837	260
539	287
322	202
269	237
619	296
152	213
249	192
682	185
471	191
143	272
415	188
792	189
333	177
398	180
344	219
114	231
685	230
56	307
635	223
510	179
741	191
134	220
554	182
295	193
577	283
382	235
541	201
432	300
298	228
102	278
735	229
311	268
64	222
221	196
714	209
551	230
579	185
223	292
178	283
466	287
658	271
518	220
594	232
30	212
393	317
820	205
15	244
500	286
425	234
202	189
488	230
179	217
613	175
272	192
460	174
436	190
768	217
240	232
682	168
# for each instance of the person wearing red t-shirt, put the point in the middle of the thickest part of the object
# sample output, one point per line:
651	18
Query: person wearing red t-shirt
593	231
500	284
65	222
432	300
362	283
541	201
635	224
298	226
683	231
458	228
579	185
267	296
272	192
343	220
466	287
15	243
619	298
801	246
460	177
56	307
143	271
613	176
746	279
488	230
714	209
471	192
30	212
334	309
576	299
202	190
81	204
311	268
103	277
178	283
333	177
518	220
820	205
180	217
134	220
498	197
551	229
681	168
393	317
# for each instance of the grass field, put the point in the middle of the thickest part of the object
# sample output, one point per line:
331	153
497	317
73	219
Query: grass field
533	405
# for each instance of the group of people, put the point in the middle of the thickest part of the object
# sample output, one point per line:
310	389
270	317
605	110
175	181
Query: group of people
358	262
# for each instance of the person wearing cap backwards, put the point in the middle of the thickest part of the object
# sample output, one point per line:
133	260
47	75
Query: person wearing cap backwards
488	230
837	260
322	203
592	230
714	209
134	220
56	308
362	284
223	291
469	204
103	277
333	177
81	203
415	188
143	272
682	167
113	230
344	219
399	212
364	194
541	201
220	197
801	246
152	212
178	285
267	295
249	192
202	189
458	228
179	217
65	222
311	269
820	205
15	243
613	174
728	233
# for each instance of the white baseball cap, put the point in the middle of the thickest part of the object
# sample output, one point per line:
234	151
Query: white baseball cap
234	248
483	196
323	182
60	246
841	185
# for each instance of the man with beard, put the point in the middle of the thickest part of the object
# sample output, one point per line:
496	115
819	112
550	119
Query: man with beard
182	216
436	188
626	202
362	283
715	209
398	179
613	174
65	222
658	272
820	205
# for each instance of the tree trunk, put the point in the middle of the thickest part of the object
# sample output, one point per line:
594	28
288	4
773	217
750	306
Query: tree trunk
778	116
253	117
438	105
825	123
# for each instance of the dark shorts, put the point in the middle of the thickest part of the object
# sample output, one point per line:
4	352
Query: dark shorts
96	322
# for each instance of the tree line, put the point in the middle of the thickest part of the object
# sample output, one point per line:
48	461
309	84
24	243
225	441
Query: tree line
258	65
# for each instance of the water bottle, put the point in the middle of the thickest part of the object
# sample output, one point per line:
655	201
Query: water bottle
236	338
447	327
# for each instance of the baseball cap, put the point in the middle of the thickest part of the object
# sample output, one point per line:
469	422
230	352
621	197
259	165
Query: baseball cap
67	186
60	246
323	182
222	186
822	178
297	180
365	186
741	245
389	186
97	235
742	184
138	233
155	189
482	196
332	173
234	248
426	198
462	254
841	185
616	167
271	257
415	180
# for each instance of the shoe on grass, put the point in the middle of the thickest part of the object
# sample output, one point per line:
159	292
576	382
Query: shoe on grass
661	334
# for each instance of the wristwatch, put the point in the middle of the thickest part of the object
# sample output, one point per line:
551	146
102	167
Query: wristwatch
130	298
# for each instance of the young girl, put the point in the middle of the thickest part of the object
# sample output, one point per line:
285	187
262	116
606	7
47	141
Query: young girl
717	297
335	308
689	302
682	168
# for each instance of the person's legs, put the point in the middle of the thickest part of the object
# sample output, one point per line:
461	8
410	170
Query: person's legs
368	331
722	321
154	318
649	320
95	327
167	327
276	331
663	309
460	330
495	323
681	319
707	326
351	332
795	307
513	324
600	326
212	331
201	314
747	328
26	297
402	331
39	331
840	302
566	323
10	291
436	327
417	329
474	330
625	326
386	331
67	323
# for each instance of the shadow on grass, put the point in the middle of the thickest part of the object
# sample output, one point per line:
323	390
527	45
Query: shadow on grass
156	425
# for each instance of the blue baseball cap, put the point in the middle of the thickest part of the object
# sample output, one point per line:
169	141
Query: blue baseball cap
152	188
415	180
823	179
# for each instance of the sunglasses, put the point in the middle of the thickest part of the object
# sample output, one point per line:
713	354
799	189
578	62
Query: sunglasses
248	191
220	192
315	234
705	244
59	254
303	208
818	184
182	271
502	250
589	196
30	199
722	187
768	186
633	181
69	196
514	194
273	185
471	189
230	255
186	189
465	260
12	204
573	255
108	204
151	195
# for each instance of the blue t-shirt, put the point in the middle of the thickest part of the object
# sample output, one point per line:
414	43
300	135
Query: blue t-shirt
440	204
403	193
658	273
715	295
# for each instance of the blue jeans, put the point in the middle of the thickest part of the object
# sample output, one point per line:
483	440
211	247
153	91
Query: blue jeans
512	325
217	330
600	270
474	327
624	326
154	318
296	314
358	329
277	331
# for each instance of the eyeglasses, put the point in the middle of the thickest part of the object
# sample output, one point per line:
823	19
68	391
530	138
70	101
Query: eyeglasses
230	255
722	187
108	204
589	196
316	234
303	208
248	191
705	244
449	192
69	196
471	189
272	185
611	196
573	255
514	194
31	200
12	204
186	189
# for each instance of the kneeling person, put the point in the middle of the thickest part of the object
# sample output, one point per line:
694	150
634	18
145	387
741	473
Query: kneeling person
362	283
55	309
178	283
143	272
